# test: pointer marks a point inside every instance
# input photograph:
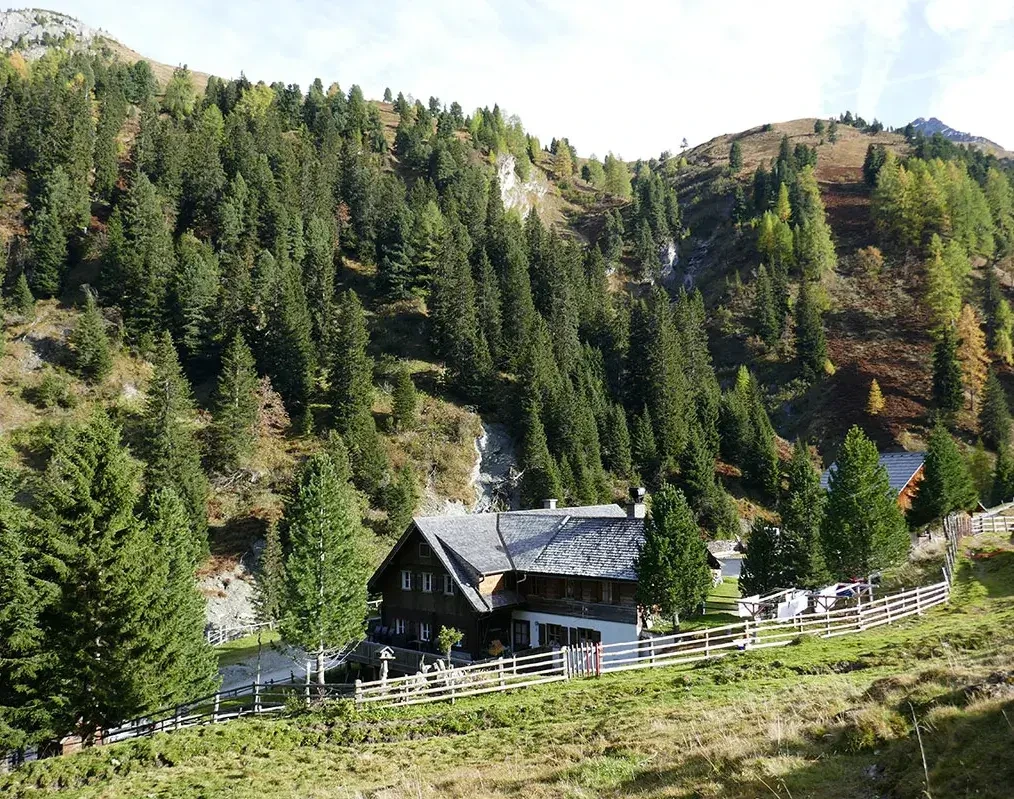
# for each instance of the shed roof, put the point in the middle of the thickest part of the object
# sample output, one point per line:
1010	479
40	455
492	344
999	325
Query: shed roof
901	467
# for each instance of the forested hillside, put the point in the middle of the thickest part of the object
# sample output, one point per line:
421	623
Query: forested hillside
222	299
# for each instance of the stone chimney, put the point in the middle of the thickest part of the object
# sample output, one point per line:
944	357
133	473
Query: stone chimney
635	508
549	504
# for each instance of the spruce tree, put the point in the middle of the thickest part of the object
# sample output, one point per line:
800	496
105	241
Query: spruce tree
802	512
1003	478
404	400
352	395
24	655
672	561
946	485
615	437
994	414
169	442
327	567
400	498
735	157
765	314
863	528
186	666
948	394
24	302
89	344
98	553
48	235
195	295
764	568
540	478
980	466
271	577
235	407
643	448
811	344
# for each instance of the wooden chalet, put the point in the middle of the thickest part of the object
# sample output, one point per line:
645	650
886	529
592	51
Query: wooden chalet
514	580
904	473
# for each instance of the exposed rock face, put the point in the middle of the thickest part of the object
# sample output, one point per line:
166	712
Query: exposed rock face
518	194
31	31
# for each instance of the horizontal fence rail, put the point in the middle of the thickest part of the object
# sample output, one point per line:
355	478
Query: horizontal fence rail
437	683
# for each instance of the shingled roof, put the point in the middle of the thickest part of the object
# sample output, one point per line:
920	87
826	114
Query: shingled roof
595	541
901	468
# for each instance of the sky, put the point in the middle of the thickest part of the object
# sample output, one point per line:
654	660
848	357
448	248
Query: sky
632	77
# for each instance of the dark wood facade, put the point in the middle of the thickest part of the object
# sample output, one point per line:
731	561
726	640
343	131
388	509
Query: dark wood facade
421	596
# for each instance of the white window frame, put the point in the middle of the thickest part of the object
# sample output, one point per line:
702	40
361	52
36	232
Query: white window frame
400	626
427	582
448	585
406	580
425	631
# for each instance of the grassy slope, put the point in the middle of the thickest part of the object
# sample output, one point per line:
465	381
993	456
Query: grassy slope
818	719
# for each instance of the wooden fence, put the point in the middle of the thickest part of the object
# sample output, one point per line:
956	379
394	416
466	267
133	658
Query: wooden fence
216	636
593	660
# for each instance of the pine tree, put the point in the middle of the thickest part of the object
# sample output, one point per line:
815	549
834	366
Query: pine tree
186	665
271	577
735	157
802	512
169	444
319	272
404	400
89	344
994	414
235	406
763	569
672	562
875	399
947	390
326	568
643	447
863	528
811	344
946	485
971	354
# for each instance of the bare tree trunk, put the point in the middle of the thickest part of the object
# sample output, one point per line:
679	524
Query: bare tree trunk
320	666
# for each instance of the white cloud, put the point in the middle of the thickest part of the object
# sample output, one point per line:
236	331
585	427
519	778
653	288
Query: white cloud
634	78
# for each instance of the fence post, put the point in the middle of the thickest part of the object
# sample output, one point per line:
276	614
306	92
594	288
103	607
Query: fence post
565	654
176	725
918	602
308	682
598	659
746	634
214	717
359	691
499	668
707	643
257	697
887	607
827	621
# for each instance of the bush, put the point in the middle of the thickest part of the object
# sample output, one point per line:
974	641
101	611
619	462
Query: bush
52	391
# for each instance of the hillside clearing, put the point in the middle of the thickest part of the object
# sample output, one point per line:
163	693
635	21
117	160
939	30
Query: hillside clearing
821	718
